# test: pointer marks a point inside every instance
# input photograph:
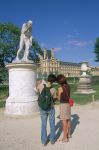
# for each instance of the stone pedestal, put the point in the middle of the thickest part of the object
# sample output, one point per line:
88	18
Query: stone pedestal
84	85
22	98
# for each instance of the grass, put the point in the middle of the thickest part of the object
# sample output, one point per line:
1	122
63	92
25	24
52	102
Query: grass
78	98
95	86
3	92
3	95
2	103
84	98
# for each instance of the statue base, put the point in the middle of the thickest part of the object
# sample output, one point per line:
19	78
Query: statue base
22	98
84	85
13	108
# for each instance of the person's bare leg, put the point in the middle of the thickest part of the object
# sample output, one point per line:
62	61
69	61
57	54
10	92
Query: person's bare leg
69	129
65	125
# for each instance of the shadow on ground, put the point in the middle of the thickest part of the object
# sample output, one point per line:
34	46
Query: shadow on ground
74	122
58	128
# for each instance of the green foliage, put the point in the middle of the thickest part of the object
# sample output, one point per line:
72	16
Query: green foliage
2	104
96	50
9	40
95	86
84	98
3	95
95	79
3	92
3	75
72	79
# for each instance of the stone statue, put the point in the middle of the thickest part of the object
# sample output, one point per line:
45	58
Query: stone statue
84	68
25	40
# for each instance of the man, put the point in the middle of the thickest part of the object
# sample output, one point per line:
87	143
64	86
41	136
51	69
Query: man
48	112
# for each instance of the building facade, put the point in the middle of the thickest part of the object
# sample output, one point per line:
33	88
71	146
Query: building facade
49	64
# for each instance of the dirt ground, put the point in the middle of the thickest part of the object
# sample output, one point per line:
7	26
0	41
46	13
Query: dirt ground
23	133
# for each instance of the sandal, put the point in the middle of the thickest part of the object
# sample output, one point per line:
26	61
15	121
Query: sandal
66	140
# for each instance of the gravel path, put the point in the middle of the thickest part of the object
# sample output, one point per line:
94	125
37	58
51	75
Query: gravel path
23	133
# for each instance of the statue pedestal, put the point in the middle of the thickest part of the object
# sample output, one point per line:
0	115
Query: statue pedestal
22	98
84	85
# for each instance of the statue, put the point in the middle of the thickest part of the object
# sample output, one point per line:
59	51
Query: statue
25	40
84	68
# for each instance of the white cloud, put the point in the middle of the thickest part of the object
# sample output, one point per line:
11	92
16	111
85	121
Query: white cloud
78	43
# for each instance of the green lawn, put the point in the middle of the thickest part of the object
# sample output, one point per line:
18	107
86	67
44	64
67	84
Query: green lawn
3	95
2	103
84	98
3	92
79	98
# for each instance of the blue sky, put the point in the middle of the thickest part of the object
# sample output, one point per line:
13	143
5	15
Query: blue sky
69	26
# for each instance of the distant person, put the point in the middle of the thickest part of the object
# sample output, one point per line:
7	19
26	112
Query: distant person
46	95
65	110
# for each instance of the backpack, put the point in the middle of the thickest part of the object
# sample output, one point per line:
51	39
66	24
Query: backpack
45	99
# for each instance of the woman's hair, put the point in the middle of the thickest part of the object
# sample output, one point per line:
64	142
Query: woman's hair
61	79
51	78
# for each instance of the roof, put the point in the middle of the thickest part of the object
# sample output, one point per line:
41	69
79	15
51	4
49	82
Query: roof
70	63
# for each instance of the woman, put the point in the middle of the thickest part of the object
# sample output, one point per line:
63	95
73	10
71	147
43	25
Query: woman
65	110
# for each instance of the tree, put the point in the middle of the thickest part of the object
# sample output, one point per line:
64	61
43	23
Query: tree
96	51
9	40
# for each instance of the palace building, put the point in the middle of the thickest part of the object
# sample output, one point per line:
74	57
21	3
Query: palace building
49	64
